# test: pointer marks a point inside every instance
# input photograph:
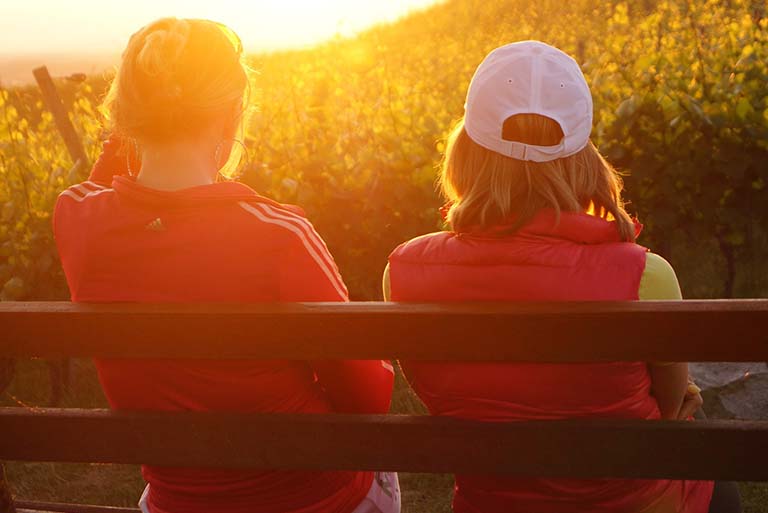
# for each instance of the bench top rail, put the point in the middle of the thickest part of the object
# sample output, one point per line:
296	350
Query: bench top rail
715	330
575	448
538	332
59	507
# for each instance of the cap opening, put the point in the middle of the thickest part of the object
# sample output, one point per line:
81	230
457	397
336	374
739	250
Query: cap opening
532	129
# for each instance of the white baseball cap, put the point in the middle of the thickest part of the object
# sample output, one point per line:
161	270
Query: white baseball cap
528	77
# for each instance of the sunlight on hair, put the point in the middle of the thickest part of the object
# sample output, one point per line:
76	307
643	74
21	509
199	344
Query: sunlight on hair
486	188
178	79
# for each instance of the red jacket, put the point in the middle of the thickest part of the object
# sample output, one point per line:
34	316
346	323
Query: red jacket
580	259
219	242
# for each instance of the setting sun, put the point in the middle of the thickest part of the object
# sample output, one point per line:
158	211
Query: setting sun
88	26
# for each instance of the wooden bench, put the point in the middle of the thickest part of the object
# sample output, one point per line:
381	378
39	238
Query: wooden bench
534	332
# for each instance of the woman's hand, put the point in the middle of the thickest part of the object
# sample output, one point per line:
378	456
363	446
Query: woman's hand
669	382
691	402
118	158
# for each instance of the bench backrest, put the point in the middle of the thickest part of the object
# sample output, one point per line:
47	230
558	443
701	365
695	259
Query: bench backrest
537	332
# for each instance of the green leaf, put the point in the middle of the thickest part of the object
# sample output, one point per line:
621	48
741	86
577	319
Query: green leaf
743	109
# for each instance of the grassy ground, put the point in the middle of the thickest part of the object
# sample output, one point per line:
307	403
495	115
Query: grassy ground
121	485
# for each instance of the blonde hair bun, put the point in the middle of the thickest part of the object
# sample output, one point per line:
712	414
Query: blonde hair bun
177	77
162	48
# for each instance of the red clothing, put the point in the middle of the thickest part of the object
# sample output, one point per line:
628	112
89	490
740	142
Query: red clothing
224	243
580	259
117	159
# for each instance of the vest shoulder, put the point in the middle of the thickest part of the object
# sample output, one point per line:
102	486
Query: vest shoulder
451	248
421	247
617	250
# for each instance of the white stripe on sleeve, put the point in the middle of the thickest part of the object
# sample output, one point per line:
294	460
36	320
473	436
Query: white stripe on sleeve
69	193
321	260
309	231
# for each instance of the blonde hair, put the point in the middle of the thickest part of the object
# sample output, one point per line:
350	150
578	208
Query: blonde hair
177	76
488	189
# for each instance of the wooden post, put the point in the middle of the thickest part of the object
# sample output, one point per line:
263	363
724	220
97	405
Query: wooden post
56	106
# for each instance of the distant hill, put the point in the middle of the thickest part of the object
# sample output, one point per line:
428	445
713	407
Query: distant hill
16	70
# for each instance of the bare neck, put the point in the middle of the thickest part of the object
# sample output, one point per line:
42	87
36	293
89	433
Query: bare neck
177	166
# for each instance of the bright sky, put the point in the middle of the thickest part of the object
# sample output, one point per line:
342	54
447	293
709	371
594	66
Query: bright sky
104	26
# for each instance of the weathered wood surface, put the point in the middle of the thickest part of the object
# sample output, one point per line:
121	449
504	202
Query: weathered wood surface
60	117
735	330
58	507
575	448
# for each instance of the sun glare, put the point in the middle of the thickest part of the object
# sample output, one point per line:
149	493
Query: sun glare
88	26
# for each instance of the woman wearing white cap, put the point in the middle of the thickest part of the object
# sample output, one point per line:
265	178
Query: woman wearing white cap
536	214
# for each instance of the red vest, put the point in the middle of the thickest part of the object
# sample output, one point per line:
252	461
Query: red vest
581	258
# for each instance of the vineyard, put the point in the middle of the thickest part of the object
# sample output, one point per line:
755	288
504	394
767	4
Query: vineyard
352	131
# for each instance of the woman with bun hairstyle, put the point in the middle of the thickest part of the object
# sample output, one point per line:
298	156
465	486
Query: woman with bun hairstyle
165	228
536	214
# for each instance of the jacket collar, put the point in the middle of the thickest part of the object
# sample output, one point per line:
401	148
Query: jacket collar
578	227
195	197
